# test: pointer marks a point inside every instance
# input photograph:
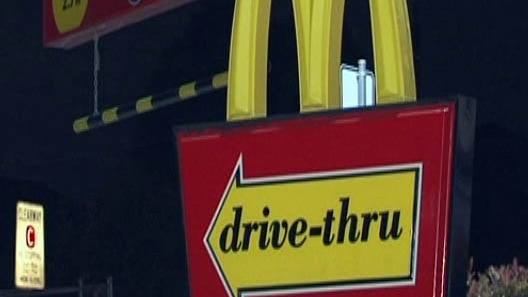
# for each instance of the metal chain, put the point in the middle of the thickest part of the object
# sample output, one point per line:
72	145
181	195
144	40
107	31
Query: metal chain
96	66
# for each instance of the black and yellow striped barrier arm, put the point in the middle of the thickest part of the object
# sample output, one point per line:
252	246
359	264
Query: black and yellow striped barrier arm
152	102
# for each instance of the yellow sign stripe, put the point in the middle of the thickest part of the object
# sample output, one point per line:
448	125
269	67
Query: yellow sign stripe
144	104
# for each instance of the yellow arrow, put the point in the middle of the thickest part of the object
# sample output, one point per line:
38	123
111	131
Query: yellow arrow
318	231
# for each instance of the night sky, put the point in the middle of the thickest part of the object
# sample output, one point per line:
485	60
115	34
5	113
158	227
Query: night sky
112	194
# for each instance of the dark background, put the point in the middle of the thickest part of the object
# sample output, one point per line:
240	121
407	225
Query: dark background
112	196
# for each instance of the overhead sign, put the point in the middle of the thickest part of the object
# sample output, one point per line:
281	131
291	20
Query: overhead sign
68	23
333	204
29	253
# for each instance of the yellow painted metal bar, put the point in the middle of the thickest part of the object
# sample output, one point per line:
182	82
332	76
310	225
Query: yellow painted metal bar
319	25
219	80
144	104
81	124
393	53
110	115
187	91
247	81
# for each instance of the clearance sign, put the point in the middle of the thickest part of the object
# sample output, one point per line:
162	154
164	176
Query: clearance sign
29	245
347	203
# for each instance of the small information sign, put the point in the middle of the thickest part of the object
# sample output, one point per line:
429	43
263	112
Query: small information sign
29	253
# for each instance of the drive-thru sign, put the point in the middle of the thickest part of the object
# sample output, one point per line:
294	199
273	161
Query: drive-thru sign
351	203
263	221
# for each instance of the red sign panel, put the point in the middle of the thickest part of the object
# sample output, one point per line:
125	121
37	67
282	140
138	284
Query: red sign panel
351	203
68	23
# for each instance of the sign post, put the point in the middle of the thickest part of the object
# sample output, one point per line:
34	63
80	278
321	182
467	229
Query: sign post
29	250
345	203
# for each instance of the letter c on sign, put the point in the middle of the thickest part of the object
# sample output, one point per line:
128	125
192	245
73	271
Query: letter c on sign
30	236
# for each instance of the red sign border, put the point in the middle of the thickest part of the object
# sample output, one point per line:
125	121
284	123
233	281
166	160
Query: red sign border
454	230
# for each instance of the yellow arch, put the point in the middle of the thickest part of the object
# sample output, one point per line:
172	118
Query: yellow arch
248	60
319	35
393	53
319	26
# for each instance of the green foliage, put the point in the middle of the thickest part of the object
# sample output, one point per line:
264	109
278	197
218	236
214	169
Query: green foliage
505	281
